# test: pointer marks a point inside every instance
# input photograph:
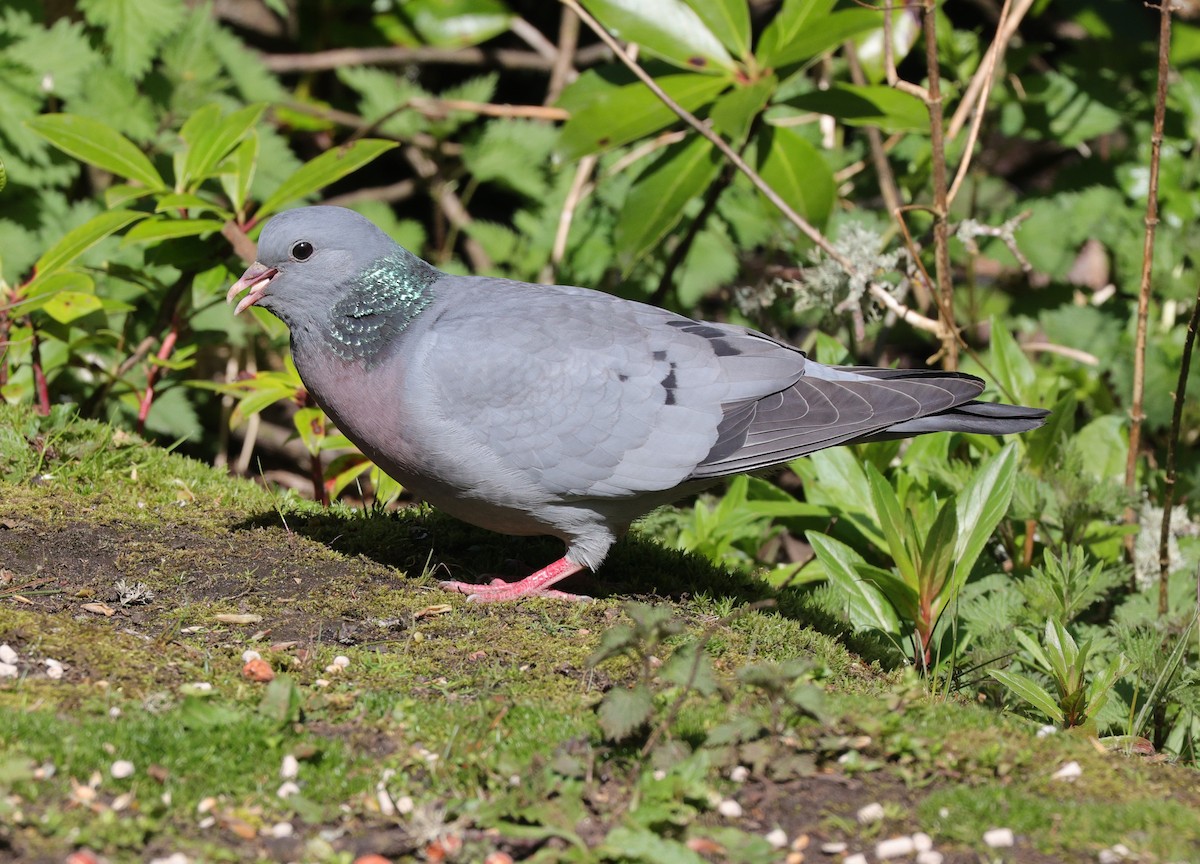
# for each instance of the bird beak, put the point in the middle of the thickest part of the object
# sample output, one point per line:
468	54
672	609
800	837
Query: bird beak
257	277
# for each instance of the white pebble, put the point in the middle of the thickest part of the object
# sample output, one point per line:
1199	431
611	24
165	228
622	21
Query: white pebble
54	669
176	858
777	838
114	712
1070	771
206	804
7	654
929	856
833	848
250	654
207	822
1122	850
922	842
739	774
281	830
290	768
198	687
386	806
999	838
8	670
121	769
729	808
341	660
1048	729
287	789
321	682
894	847
332	669
873	812
944	812
856	858
405	805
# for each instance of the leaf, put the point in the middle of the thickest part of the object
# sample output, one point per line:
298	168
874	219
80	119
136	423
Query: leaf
891	521
79	240
793	17
899	593
668	28
156	230
281	701
330	166
881	106
981	505
210	140
623	710
734	111
1013	370
796	170
618	115
729	20
655	204
641	844
868	607
841	483
690	666
65	306
310	425
457	23
237	172
938	557
1030	691
134	30
825	34
97	144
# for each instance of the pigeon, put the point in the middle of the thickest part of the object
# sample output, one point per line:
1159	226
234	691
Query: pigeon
554	410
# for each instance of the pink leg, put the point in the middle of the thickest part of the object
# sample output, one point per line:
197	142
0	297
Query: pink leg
535	585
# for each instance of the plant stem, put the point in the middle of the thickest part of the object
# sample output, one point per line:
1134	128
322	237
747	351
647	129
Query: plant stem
155	371
1136	415
41	388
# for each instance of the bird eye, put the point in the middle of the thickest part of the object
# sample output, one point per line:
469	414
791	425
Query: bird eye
302	250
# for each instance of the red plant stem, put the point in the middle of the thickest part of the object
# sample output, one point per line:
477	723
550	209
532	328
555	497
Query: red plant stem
153	373
5	329
39	374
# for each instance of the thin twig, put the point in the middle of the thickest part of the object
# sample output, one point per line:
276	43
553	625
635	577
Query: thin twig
533	37
579	187
449	204
40	385
999	45
1164	539
1136	415
399	191
439	108
398	55
564	72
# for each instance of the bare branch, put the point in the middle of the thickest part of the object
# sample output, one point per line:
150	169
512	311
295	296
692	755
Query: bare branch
399	55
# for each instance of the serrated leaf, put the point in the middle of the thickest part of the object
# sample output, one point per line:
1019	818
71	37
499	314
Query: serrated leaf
793	18
624	710
134	29
330	166
156	230
881	106
1030	691
669	29
641	844
655	204
690	666
825	33
729	20
618	115
796	170
868	607
79	240
97	144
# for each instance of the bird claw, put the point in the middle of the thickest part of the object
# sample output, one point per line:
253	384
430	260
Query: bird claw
498	591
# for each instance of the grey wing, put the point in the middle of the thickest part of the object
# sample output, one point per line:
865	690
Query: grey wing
579	394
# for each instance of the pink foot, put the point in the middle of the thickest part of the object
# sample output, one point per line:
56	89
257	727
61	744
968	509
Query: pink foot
535	585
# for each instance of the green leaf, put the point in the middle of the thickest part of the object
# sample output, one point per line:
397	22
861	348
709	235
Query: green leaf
891	520
134	30
330	166
97	144
885	107
690	666
1013	370
237	172
796	170
310	424
65	306
729	20
155	230
668	28
655	204
868	607
618	115
79	240
901	595
938	556
824	34
457	23
794	16
981	505
641	844
842	484
624	710
1030	691
734	111
3	175
211	139
282	700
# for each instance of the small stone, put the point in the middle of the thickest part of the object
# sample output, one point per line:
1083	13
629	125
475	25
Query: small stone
856	858
175	858
498	858
321	682
833	848
1048	729
281	830
207	822
8	670
405	805
1108	856
54	669
873	812
944	812
729	808
82	856
259	671
999	838
114	712
777	838
371	859
287	789
894	847
922	842
1071	771
794	858
198	687
1122	850
341	660
7	654
205	805
659	774
739	774
121	769
929	856
250	654
290	768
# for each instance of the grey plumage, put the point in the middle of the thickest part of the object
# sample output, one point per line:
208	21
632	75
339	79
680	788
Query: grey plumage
533	409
